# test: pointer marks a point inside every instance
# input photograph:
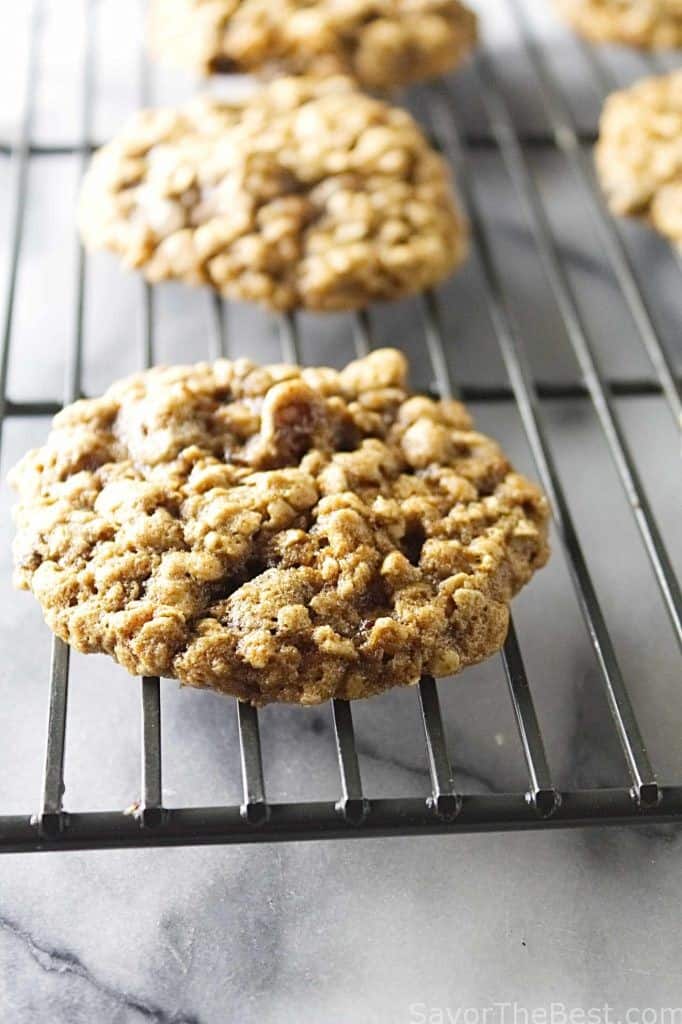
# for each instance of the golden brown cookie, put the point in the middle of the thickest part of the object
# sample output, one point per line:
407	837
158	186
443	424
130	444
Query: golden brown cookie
381	43
308	194
649	24
276	533
639	152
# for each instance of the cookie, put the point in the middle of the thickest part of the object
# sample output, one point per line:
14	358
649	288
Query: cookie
639	152
649	24
381	43
308	194
276	533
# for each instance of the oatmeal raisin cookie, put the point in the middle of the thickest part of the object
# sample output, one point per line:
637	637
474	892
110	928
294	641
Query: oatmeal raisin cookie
381	43
276	533
649	24
309	194
639	153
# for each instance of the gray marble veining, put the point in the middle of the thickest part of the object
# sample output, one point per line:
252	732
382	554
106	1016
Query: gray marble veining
375	930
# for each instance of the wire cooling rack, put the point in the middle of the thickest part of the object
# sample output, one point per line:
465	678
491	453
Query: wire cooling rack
541	804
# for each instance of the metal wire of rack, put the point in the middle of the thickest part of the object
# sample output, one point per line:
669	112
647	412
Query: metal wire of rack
541	804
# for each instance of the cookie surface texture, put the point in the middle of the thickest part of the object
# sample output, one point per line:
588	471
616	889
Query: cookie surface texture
308	194
381	43
276	533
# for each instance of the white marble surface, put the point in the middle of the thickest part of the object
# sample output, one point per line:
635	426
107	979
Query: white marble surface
377	930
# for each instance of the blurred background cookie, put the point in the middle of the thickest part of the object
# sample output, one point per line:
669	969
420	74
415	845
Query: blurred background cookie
382	43
646	23
639	152
308	194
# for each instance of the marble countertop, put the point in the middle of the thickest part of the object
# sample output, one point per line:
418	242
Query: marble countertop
471	929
